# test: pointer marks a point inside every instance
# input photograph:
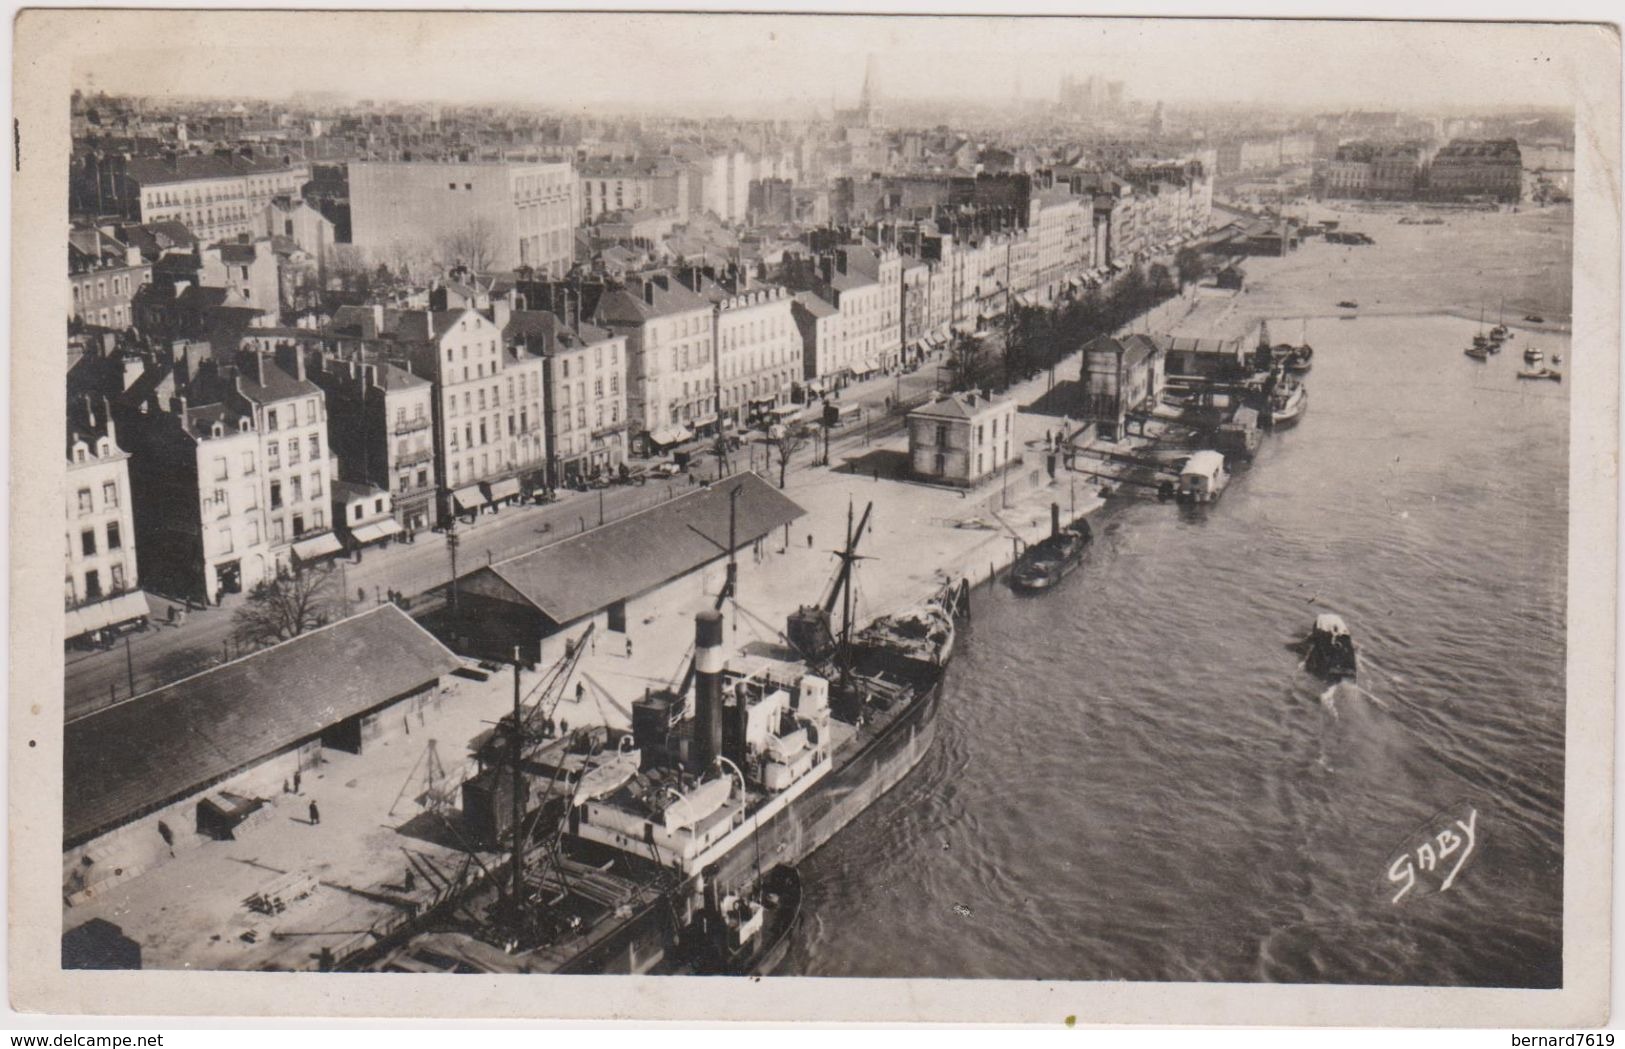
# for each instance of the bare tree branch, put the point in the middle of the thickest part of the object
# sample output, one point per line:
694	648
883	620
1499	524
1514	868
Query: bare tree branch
283	607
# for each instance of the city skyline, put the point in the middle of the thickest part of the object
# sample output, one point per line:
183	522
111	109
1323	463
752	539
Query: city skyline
780	60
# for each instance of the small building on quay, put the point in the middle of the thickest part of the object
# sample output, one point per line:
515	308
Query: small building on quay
962	439
1121	377
604	575
202	758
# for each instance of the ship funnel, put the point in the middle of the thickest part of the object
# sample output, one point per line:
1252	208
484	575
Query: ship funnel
707	743
1054	519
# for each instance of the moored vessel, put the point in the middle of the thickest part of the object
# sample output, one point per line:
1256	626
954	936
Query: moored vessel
1045	563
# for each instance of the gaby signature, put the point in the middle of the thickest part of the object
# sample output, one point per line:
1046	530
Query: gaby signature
1435	853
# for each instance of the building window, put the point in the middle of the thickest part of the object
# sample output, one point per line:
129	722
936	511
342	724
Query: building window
93	585
315	486
293	451
315	447
114	540
87	542
118	578
270	419
223	544
85	505
296	490
310	411
276	495
298	525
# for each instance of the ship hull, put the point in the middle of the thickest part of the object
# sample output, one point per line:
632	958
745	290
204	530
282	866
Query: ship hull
796	831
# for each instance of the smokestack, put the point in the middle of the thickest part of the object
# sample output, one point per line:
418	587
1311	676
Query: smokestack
707	739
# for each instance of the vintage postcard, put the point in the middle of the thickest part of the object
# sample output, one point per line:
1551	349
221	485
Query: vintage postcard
703	516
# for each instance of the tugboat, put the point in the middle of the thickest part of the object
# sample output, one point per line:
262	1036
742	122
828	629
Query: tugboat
1287	402
1477	353
1540	373
1329	650
1047	562
1533	355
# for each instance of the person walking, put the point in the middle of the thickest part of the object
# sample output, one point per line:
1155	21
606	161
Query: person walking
315	814
296	781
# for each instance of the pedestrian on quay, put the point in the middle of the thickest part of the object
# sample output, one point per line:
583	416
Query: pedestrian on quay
296	781
315	814
809	540
411	879
581	692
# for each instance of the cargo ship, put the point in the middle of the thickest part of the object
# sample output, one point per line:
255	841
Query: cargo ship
672	848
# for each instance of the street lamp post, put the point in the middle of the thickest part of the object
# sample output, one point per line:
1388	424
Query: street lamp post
452	542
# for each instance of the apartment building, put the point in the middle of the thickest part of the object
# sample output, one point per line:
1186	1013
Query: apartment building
101	561
584	392
496	215
488	431
670	376
216	197
103	276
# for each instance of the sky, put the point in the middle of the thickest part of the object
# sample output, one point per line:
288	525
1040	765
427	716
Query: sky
719	62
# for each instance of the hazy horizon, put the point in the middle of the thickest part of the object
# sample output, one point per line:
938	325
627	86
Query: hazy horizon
718	63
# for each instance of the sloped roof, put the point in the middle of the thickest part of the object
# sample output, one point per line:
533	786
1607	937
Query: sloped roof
134	757
624	559
957	406
157	171
1134	349
815	304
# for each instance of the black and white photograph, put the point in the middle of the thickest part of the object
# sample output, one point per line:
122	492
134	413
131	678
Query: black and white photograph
1055	500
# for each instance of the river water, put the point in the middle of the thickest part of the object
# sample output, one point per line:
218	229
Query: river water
1132	779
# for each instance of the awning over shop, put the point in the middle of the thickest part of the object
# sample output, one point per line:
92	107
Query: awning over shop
704	420
373	531
784	411
670	435
317	546
470	498
964	327
865	365
120	609
507	488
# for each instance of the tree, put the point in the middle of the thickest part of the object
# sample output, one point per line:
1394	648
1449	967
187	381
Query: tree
472	244
1191	264
1161	284
283	607
970	366
788	440
1030	343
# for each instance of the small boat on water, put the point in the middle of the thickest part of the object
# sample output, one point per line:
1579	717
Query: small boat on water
1540	373
1533	355
1288	401
1477	353
1329	650
1501	333
1048	561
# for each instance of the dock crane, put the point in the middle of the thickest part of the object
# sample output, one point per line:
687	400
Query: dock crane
809	628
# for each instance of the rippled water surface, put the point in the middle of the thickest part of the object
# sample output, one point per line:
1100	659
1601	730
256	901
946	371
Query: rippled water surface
1133	780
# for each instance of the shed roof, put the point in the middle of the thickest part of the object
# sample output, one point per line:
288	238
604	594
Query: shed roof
629	557
129	759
